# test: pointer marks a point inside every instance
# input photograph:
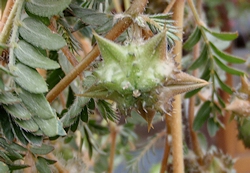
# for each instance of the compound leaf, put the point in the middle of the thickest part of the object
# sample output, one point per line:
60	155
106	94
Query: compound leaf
202	115
29	79
47	8
36	33
30	56
193	39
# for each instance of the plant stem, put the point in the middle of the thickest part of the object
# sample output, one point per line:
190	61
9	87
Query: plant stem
126	4
176	121
210	51
195	143
60	168
168	8
136	8
69	56
195	13
117	6
113	135
6	22
6	13
18	6
167	145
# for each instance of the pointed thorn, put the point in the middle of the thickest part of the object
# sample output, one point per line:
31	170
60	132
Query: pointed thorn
150	126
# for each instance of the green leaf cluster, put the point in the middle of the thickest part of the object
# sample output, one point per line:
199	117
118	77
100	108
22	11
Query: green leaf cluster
27	117
212	61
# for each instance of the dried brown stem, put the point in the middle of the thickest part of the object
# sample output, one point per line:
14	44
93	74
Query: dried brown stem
176	121
136	8
168	8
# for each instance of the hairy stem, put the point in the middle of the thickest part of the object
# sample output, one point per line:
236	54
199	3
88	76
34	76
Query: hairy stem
6	13
113	135
126	4
168	8
176	121
18	6
136	8
117	6
167	145
6	22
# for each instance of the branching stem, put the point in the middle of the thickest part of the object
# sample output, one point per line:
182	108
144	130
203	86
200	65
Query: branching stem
176	121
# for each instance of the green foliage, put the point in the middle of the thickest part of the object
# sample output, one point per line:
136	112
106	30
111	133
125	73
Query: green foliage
132	76
202	115
36	33
23	74
26	53
212	61
47	8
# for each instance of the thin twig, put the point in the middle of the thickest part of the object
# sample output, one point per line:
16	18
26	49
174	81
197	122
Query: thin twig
126	4
117	6
168	8
136	8
58	165
69	56
176	121
113	135
65	49
29	160
167	145
195	143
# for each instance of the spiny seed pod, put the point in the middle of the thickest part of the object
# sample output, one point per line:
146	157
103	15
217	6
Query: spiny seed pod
240	108
244	132
240	105
140	76
215	161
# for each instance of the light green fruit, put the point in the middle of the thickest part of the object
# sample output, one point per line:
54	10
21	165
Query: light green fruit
140	76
